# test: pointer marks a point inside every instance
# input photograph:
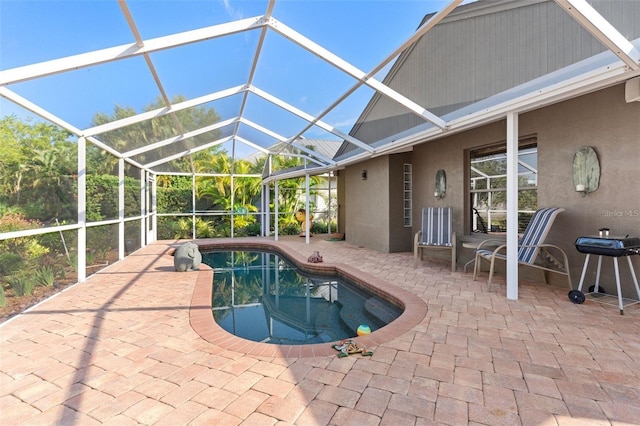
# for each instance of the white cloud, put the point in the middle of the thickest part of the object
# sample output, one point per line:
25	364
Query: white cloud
231	11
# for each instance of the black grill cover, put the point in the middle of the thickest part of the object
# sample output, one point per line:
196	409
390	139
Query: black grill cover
608	246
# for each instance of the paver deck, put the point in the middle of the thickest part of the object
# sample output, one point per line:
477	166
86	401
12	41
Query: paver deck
131	346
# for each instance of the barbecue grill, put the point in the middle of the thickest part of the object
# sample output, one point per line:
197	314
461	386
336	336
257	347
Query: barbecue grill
610	246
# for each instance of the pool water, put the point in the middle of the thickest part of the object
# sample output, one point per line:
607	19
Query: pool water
260	296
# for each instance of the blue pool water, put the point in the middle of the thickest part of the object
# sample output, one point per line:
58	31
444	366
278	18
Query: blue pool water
262	297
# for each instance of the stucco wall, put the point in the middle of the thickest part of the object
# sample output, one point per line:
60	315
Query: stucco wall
601	120
448	154
340	178
605	122
400	236
367	204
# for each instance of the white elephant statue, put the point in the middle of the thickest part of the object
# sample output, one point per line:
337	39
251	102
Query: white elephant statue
187	257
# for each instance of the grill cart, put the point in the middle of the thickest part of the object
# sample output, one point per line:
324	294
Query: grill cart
610	246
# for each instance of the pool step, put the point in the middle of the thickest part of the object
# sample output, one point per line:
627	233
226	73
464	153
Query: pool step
381	310
352	311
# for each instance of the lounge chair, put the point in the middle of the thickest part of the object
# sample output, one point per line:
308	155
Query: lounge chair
532	251
436	234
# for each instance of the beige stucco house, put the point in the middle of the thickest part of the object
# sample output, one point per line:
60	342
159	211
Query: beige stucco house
477	59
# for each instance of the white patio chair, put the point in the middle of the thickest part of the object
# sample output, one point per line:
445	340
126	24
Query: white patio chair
532	251
436	234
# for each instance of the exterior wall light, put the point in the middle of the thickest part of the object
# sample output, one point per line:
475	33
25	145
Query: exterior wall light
363	175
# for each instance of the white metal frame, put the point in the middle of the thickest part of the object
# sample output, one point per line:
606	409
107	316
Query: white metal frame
627	66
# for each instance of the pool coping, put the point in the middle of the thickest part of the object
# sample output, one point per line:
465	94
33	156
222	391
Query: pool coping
202	322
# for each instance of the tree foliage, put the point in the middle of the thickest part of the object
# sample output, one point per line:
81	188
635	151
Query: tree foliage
102	197
158	129
38	174
38	166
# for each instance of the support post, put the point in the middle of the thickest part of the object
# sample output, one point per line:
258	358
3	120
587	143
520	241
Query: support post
306	206
277	208
143	209
121	240
193	207
154	209
267	209
329	206
233	202
82	209
512	206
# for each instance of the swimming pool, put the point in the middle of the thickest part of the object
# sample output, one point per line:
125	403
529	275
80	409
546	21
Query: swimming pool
260	296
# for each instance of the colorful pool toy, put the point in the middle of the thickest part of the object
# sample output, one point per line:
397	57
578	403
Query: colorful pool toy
363	330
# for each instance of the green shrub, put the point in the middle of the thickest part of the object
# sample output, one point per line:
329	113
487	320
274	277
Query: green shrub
102	197
21	284
56	241
290	229
3	300
45	276
319	227
204	228
27	248
250	230
175	196
164	229
72	261
101	239
10	263
182	229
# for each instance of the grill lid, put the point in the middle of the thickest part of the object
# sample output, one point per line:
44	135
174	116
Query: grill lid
608	246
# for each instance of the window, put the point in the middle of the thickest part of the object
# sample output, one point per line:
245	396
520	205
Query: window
488	174
408	197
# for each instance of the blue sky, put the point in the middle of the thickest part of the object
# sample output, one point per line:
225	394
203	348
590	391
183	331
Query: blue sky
361	32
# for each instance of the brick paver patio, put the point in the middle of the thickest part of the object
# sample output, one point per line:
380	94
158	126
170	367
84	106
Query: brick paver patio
120	349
